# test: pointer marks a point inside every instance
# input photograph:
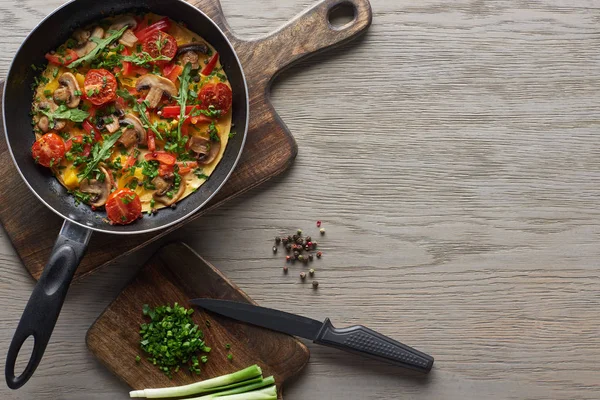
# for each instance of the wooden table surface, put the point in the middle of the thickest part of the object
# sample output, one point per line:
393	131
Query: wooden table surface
453	155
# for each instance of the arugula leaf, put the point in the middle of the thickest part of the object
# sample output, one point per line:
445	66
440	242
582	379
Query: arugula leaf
100	45
62	112
144	58
141	110
184	79
100	153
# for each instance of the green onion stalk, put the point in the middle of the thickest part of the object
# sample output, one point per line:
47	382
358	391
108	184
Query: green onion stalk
245	377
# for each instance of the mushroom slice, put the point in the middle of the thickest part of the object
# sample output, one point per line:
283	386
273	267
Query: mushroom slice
69	91
128	38
114	125
188	53
98	189
122	21
163	186
134	131
44	122
206	150
88	45
158	86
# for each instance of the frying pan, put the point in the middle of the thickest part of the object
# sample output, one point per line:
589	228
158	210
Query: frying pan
42	310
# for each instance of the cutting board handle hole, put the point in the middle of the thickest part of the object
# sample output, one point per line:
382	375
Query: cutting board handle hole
342	15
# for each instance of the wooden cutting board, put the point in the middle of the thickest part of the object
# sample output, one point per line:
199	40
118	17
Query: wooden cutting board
270	147
176	274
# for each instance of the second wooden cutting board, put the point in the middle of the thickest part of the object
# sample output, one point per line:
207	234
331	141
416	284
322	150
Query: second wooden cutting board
176	274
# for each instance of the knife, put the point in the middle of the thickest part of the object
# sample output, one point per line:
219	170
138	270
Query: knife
355	339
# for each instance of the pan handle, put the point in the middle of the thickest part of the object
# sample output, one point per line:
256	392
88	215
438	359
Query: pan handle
48	296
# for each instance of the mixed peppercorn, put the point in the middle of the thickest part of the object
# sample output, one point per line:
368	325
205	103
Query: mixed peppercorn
302	249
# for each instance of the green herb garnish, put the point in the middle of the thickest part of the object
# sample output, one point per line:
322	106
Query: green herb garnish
184	80
100	153
144	58
63	112
141	110
171	339
100	45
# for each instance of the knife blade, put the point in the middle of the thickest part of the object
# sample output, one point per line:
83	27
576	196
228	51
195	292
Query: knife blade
355	339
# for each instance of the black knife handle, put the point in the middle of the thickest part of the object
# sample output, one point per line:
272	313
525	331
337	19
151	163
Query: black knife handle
364	341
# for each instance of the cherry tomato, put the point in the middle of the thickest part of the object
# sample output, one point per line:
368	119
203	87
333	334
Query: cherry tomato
160	44
48	150
100	86
123	207
162	157
216	95
66	59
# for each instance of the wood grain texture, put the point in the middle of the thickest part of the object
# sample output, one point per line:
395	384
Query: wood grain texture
176	274
453	157
269	149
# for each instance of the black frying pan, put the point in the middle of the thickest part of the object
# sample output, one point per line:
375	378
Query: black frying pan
44	306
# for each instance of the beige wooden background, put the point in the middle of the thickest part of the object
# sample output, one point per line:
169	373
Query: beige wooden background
453	155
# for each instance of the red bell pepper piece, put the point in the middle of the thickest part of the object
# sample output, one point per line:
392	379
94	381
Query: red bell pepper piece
151	141
161	25
87	148
89	128
162	157
164	170
67	59
173	111
208	68
172	72
186	166
130	160
127	66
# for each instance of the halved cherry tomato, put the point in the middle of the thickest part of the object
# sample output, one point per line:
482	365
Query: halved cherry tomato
160	44
123	207
186	166
48	150
165	170
208	68
173	111
100	86
66	59
89	128
151	141
162	157
172	72
161	25
217	95
78	139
